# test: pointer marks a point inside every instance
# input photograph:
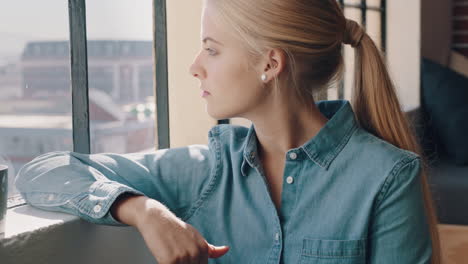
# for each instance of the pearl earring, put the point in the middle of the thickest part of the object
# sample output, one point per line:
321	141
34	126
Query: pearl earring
264	77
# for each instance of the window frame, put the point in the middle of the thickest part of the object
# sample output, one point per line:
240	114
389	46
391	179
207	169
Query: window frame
79	75
79	80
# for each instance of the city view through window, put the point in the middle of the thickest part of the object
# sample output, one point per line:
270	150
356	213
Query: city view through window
35	85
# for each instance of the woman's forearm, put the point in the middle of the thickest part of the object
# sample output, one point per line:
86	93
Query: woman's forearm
131	209
127	207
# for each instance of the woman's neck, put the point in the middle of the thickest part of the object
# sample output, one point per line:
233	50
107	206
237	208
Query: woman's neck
284	128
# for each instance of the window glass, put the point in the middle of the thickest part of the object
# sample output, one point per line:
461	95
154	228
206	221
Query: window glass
120	63
35	98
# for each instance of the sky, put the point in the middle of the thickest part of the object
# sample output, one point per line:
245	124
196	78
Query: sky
26	20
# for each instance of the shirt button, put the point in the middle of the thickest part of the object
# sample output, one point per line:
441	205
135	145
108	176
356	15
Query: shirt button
293	155
290	179
277	236
97	208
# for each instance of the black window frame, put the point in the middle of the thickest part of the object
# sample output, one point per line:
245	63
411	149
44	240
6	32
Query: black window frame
79	75
80	87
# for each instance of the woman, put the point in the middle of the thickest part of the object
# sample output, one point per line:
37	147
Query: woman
307	183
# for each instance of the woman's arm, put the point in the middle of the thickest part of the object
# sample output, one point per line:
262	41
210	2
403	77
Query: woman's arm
88	185
399	231
126	208
169	239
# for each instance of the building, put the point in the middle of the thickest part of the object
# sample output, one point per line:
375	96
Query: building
122	69
10	81
35	103
25	137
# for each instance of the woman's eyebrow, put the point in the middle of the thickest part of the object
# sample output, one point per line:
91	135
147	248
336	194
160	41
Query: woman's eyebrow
211	39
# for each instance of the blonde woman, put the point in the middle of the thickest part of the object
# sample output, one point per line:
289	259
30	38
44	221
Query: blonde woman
308	182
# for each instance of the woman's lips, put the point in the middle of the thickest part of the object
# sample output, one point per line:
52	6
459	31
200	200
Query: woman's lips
204	93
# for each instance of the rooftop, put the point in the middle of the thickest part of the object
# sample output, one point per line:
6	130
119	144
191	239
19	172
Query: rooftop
36	121
96	48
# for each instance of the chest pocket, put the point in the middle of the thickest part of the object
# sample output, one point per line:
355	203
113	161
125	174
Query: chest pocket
320	251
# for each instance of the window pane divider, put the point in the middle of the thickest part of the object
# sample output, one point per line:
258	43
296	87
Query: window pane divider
79	76
161	74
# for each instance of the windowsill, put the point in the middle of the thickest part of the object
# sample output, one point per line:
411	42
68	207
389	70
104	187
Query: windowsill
25	219
36	236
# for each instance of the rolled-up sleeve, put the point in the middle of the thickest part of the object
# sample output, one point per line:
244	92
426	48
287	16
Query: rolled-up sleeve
399	230
87	185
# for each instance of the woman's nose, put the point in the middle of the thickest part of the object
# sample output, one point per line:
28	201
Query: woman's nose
195	69
192	70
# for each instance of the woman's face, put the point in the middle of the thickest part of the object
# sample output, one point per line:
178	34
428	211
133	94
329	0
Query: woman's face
222	68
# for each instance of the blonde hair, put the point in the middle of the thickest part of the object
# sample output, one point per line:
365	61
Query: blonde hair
311	33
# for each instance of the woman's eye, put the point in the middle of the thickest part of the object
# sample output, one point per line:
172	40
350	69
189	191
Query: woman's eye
210	51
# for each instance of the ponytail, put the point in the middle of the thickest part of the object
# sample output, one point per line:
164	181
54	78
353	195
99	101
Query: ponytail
378	111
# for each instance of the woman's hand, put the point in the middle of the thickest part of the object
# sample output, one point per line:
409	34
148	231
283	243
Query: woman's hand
169	239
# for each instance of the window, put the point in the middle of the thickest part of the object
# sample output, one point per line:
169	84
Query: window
111	88
35	102
120	74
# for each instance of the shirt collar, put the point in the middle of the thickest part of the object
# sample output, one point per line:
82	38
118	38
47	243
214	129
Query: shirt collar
324	146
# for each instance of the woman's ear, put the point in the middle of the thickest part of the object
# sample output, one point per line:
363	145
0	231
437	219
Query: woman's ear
275	63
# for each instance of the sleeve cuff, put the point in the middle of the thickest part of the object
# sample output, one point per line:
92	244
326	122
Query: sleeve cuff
95	205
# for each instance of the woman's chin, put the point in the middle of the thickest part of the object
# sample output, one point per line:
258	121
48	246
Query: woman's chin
218	115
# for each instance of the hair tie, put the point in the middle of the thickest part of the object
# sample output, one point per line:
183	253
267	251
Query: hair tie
353	33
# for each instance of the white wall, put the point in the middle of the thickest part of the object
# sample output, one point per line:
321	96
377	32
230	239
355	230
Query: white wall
404	49
189	122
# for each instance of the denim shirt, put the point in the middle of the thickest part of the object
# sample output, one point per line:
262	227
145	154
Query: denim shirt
347	196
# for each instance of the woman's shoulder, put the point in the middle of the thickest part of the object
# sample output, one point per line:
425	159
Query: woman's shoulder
370	144
369	153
